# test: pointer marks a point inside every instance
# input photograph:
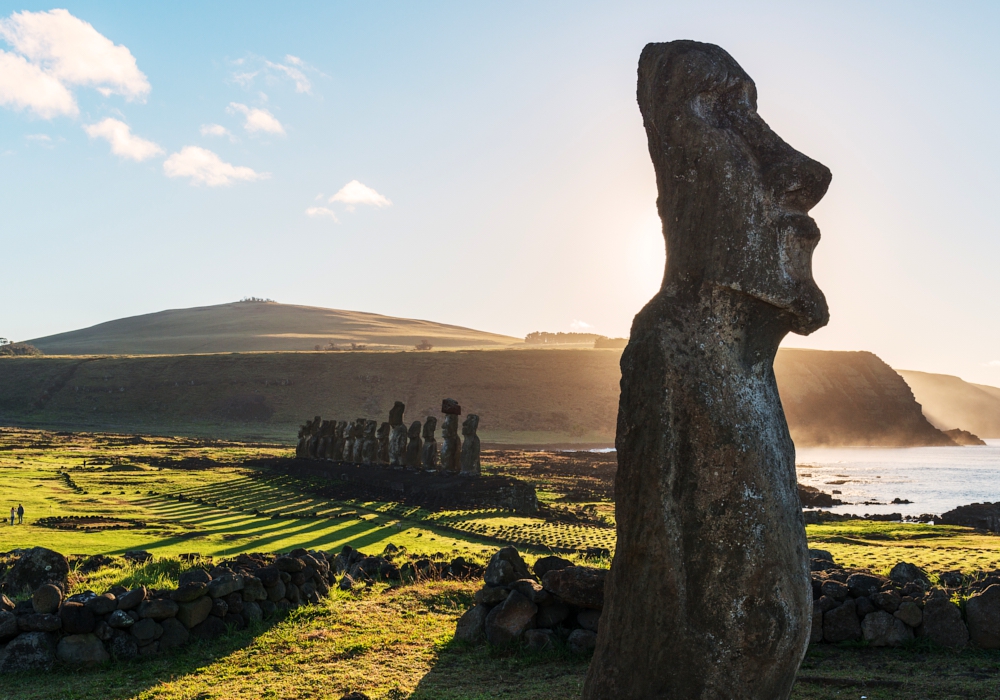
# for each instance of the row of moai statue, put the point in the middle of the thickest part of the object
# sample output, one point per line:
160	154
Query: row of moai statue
364	441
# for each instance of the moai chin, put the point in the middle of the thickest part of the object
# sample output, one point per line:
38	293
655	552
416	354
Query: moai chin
470	446
414	445
369	450
708	595
383	443
429	456
359	440
451	444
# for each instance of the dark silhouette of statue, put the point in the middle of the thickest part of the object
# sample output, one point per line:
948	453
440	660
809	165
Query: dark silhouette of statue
414	445
383	443
429	457
470	446
708	595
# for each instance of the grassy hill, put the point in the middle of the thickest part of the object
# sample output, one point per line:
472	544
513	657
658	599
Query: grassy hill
950	402
523	396
258	327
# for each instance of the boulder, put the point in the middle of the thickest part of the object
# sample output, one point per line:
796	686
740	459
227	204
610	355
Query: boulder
982	612
841	624
530	589
816	634
219	607
490	595
551	613
211	628
277	591
943	624
195	612
76	618
120	620
589	619
158	608
292	565
34	569
31	651
253	589
863	605
132	599
903	573
189	591
252	611
37	622
46	599
506	566
910	613
102	604
582	586
146	630
123	647
834	589
862	584
81	649
881	629
546	564
887	600
508	620
8	626
538	640
471	626
221	587
581	641
175	634
103	631
194	576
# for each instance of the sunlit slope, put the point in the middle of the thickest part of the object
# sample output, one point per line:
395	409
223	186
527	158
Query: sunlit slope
950	402
257	327
524	396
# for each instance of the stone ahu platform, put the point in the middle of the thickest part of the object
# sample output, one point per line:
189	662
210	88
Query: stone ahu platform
431	490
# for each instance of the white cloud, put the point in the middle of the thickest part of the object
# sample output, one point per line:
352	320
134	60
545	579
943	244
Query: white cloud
322	213
355	193
55	50
257	119
578	325
993	363
294	60
290	68
214	130
302	83
123	142
39	137
24	85
205	167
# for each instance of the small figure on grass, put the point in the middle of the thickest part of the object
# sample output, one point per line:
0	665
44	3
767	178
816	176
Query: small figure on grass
20	514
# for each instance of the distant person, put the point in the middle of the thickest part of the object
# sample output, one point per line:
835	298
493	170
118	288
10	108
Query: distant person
20	514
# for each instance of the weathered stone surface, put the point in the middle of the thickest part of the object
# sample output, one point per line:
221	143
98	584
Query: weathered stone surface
943	624
102	604
8	626
146	630
396	414
506	566
35	568
507	621
46	599
582	586
881	629
451	407
982	613
414	445
175	634
491	595
451	444
76	618
904	572
159	608
551	613
429	454
538	640
369	448
252	611
37	622
589	619
189	591
544	565
530	589
221	587
397	445
211	628
887	600
195	612
471	626
32	651
706	467
80	649
469	459
835	590
841	624
910	613
120	619
220	607
581	641
132	599
103	631
816	634
123	647
864	584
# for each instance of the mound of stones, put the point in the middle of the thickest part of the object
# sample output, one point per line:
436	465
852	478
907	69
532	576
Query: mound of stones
855	604
557	600
87	628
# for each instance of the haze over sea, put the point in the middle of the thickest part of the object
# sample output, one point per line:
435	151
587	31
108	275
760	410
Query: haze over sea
936	479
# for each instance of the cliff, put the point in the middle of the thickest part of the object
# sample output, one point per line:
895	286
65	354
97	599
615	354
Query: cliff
950	402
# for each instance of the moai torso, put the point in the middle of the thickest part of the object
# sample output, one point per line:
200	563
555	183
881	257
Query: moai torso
429	455
414	445
339	440
370	450
451	444
470	446
359	440
383	443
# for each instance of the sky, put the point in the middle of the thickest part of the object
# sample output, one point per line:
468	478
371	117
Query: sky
481	164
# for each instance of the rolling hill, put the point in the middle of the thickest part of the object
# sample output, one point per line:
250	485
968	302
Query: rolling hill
950	402
252	326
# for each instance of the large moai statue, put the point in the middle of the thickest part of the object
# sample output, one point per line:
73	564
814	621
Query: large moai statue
339	440
313	442
302	447
429	455
324	439
470	446
382	456
708	595
397	435
350	435
414	445
359	440
451	444
369	452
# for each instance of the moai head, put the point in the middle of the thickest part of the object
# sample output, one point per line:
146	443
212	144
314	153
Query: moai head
450	407
414	432
384	430
470	425
396	414
342	430
359	428
370	427
733	197
430	425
